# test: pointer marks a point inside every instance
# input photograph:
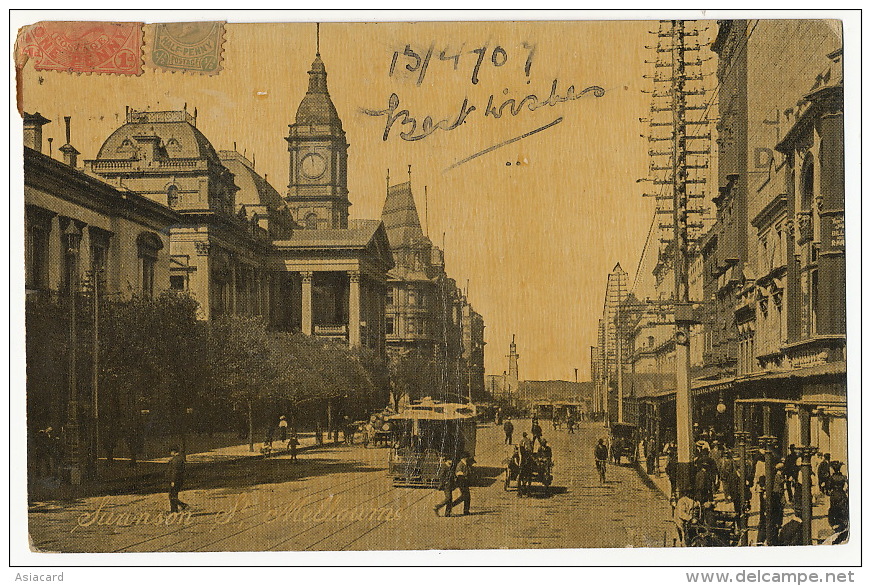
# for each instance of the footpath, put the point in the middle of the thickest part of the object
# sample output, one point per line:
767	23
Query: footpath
121	475
820	528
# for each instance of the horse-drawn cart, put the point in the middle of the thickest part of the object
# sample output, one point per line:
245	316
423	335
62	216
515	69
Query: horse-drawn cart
524	468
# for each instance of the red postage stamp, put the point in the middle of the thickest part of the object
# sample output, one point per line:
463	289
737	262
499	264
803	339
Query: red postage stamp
82	47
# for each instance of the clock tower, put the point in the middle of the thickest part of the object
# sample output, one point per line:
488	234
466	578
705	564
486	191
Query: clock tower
318	189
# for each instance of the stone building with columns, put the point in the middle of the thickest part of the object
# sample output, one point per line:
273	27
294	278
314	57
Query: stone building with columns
79	230
75	224
240	248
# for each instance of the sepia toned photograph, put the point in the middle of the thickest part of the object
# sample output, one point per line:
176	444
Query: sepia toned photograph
433	285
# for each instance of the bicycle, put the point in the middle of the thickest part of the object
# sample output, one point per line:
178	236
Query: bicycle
600	467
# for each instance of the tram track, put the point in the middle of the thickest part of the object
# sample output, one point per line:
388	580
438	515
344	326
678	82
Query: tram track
315	468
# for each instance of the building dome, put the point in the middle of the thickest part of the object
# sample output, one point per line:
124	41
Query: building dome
317	107
172	133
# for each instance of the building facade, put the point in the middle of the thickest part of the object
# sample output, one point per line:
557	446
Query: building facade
426	314
240	248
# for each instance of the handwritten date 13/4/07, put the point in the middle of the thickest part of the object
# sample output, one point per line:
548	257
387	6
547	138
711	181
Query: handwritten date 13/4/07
419	62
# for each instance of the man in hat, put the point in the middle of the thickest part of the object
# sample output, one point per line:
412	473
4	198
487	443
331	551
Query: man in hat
175	475
446	484
463	478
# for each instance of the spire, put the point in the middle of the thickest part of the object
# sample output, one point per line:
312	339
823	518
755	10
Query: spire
317	106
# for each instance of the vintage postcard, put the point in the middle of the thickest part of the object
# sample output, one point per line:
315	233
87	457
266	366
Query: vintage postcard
494	285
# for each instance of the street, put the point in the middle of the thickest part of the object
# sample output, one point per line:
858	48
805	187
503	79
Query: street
340	498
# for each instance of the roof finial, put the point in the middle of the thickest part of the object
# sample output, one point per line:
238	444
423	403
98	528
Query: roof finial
409	173
318	38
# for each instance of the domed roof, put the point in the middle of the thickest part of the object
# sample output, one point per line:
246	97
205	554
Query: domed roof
179	138
317	107
253	189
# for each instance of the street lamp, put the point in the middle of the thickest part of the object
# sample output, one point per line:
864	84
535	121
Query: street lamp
73	238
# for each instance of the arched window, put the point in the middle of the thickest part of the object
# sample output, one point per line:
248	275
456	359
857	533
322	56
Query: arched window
148	245
311	221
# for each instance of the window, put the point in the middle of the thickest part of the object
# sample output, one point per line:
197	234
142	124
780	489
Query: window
412	326
36	251
412	297
149	244
176	282
389	326
172	197
390	295
311	221
99	253
72	238
650	340
814	300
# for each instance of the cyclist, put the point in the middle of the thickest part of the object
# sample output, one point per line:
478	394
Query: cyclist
601	453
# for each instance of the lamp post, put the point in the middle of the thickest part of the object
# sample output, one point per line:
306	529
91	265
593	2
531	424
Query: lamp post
73	238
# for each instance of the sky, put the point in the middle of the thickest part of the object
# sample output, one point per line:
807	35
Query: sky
533	226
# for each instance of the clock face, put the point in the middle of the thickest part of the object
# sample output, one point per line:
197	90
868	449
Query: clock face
313	165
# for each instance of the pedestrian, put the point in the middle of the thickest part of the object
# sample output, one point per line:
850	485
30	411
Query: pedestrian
544	450
762	527
526	444
777	499
536	430
650	452
463	481
824	472
686	510
839	506
446	483
790	472
600	453
175	475
282	429
508	428
350	428
292	445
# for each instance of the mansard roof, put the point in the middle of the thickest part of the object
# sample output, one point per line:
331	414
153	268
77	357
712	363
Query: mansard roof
400	217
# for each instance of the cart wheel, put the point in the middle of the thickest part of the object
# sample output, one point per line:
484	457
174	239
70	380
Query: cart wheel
706	540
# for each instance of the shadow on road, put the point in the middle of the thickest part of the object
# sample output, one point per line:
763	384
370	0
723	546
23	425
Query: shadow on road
229	477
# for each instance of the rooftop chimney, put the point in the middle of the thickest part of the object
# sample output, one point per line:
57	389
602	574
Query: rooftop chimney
69	151
33	124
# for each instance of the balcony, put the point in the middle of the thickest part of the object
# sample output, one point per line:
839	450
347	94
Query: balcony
332	331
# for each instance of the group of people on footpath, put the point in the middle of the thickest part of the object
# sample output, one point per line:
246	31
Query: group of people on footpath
286	436
715	477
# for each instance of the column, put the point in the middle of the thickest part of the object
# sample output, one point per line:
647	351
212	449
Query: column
354	308
806	450
307	328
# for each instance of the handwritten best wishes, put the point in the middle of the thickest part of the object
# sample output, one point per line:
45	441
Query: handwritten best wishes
412	128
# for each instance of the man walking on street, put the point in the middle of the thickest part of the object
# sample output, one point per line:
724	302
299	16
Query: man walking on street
446	485
175	475
508	427
463	478
601	455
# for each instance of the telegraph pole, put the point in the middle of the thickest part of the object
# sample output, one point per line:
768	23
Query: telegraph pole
680	244
671	50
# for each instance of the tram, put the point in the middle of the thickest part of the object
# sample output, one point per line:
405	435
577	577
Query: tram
424	435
